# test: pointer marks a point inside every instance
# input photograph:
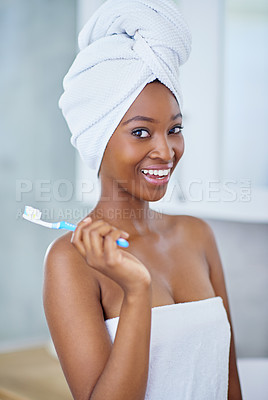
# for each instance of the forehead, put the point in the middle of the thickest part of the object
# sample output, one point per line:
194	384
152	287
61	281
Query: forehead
154	99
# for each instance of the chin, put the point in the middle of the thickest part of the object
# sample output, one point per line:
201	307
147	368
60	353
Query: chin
154	195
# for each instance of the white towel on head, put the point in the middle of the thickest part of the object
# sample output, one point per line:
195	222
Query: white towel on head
124	45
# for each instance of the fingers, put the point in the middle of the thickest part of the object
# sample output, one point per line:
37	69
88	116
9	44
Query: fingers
93	237
110	247
96	240
76	239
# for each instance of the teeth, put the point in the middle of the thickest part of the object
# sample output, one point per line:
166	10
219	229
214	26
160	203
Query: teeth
156	172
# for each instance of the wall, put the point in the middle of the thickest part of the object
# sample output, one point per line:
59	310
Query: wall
37	46
244	254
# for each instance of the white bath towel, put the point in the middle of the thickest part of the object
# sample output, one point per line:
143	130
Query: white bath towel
124	45
189	351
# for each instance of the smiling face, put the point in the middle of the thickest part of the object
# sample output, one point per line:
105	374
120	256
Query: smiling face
143	152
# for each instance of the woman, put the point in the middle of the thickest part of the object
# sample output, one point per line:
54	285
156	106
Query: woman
149	321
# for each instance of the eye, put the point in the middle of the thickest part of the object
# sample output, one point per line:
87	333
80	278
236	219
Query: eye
142	135
179	129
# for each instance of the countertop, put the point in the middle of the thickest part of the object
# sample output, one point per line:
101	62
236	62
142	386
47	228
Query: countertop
32	374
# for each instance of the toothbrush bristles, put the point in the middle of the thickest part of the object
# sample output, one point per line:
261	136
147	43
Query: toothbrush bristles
32	213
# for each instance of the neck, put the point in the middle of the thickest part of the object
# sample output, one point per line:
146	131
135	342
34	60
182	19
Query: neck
125	211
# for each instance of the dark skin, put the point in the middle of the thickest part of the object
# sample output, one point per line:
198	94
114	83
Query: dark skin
171	259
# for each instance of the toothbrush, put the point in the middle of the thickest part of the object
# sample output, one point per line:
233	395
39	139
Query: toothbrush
34	215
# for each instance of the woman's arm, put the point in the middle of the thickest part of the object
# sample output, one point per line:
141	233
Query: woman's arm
218	283
94	368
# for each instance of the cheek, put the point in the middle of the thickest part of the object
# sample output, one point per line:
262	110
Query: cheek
180	147
126	156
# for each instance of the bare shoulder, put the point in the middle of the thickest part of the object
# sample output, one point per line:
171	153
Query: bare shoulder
191	228
199	235
193	224
198	239
62	255
66	270
61	248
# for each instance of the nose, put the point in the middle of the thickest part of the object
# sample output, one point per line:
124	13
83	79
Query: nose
163	148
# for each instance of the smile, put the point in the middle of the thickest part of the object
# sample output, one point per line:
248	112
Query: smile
156	176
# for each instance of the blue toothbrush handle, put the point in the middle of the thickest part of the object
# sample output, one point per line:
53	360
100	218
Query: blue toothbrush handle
67	225
71	227
122	242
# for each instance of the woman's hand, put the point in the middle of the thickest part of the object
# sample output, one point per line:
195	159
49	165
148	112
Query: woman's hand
96	242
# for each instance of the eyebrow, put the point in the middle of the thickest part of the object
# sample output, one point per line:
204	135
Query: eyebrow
148	119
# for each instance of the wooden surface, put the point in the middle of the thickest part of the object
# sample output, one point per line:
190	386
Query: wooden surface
32	374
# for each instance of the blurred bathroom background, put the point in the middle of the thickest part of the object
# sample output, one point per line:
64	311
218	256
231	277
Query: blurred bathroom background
222	177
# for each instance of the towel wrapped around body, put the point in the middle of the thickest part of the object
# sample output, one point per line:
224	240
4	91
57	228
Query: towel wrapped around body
189	351
123	46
